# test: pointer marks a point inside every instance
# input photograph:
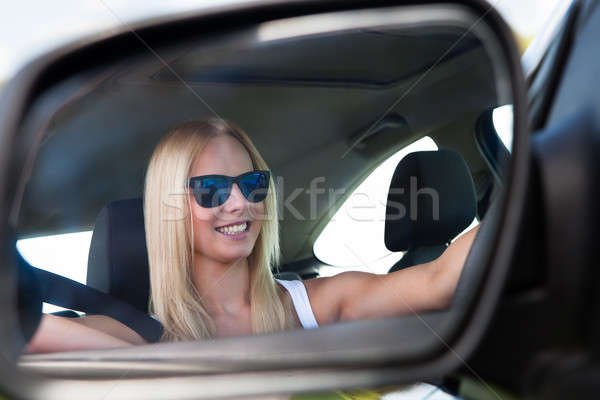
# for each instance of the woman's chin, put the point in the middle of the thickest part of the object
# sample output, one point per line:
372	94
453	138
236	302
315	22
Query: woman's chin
231	260
232	255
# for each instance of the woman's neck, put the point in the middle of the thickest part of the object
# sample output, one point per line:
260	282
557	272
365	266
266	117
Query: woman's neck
225	288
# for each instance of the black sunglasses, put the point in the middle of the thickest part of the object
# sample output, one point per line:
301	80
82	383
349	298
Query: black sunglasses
214	190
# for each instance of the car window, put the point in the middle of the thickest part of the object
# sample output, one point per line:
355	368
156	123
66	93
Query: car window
502	118
65	255
353	238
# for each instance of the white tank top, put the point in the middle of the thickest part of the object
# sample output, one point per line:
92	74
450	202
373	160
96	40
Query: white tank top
299	297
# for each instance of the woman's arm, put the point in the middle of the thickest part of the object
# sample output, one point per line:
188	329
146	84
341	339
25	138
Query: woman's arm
112	327
360	295
56	334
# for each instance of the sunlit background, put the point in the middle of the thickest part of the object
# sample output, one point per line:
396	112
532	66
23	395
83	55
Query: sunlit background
30	28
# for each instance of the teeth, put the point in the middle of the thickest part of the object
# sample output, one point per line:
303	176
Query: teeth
233	229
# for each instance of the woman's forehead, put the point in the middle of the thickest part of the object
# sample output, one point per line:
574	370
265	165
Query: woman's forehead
222	155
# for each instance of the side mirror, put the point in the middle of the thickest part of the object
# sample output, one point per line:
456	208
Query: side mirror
325	89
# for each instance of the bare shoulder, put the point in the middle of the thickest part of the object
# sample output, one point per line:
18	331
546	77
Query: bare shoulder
340	282
328	295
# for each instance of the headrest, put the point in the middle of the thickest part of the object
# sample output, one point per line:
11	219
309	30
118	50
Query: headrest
431	200
118	260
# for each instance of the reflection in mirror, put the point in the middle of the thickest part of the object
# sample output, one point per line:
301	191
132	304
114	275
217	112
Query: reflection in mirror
374	186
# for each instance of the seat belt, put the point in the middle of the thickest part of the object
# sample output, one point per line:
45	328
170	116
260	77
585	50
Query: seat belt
64	292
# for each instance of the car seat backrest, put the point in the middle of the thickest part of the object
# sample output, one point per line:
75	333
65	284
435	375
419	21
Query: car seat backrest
430	201
118	260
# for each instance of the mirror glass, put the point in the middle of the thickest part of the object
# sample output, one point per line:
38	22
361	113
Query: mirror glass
368	124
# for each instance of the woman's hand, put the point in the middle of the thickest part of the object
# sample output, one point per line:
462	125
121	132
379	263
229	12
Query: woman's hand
360	295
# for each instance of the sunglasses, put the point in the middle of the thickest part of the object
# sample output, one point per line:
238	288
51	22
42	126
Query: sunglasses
214	190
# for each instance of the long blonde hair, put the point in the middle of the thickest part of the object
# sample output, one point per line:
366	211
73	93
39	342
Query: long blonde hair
174	299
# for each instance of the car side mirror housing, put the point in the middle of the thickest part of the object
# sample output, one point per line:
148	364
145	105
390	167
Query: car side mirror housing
366	79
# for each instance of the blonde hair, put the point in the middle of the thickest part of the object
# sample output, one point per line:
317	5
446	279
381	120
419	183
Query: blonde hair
174	299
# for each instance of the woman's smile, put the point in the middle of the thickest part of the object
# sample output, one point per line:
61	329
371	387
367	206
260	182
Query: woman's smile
237	230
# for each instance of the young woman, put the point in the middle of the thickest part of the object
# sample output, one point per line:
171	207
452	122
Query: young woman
212	236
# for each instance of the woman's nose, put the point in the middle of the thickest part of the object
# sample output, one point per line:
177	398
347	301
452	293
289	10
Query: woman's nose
236	201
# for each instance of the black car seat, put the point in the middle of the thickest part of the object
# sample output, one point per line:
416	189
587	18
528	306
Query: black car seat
430	201
118	259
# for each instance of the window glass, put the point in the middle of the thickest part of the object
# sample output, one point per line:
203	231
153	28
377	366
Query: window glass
502	118
65	255
353	239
